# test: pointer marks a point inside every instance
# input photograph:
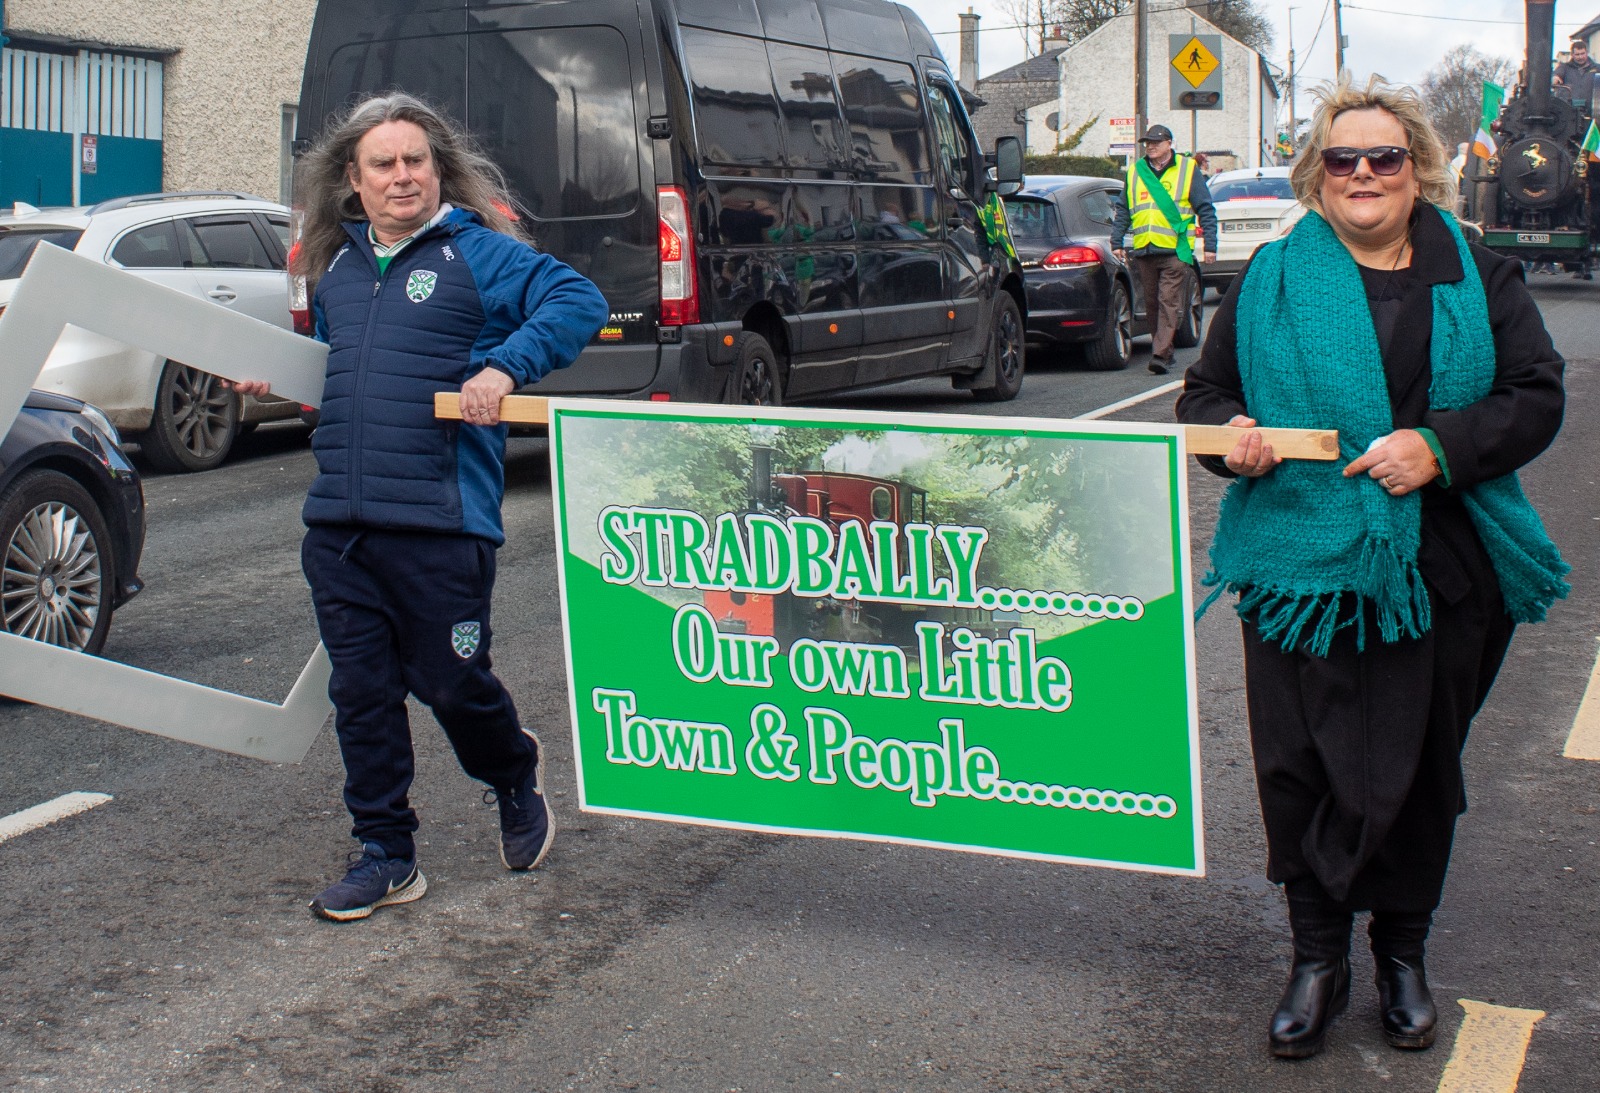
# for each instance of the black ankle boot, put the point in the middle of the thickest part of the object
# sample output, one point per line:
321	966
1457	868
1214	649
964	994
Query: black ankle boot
1406	1003
1318	991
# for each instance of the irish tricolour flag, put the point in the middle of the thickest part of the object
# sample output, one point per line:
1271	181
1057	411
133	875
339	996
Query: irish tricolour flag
1483	143
1591	142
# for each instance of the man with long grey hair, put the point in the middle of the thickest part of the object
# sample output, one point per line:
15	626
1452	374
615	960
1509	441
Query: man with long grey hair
423	284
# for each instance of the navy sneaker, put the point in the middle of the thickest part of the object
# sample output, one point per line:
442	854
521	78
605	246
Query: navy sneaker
526	827
374	880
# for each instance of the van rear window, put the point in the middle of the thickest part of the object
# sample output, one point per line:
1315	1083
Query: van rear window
554	108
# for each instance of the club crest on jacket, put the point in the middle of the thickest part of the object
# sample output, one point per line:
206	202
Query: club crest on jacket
420	285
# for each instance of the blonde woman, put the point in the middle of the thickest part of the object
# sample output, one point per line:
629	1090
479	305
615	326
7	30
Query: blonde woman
1376	318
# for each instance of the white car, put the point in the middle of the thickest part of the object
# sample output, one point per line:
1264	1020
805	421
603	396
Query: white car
230	248
1254	206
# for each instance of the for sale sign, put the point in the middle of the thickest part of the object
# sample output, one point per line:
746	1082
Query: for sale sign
966	633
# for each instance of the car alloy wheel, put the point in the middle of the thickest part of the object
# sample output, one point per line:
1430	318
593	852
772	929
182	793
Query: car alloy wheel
56	581
196	421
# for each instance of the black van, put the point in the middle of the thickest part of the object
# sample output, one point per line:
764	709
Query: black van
779	198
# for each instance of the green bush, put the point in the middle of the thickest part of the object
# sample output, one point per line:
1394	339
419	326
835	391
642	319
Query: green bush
1094	166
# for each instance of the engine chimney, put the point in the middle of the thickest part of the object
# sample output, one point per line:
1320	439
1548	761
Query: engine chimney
1541	47
969	49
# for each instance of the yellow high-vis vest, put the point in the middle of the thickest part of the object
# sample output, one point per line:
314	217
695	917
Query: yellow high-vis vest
1150	227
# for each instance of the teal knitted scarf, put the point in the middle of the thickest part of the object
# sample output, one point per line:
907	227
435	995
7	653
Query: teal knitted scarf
1308	550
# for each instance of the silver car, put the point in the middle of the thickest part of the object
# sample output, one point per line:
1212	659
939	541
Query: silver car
230	248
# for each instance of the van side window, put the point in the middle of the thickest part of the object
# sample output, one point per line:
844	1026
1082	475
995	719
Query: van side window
884	112
813	132
954	148
433	68
564	133
736	111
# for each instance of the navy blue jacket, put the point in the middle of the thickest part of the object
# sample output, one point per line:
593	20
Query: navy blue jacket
458	299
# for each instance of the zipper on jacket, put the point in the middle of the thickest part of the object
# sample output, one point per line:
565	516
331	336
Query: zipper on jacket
358	411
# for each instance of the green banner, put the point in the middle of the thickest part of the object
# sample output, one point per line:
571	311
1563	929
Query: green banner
970	633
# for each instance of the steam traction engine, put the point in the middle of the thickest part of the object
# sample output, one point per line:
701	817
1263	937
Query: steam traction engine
1536	202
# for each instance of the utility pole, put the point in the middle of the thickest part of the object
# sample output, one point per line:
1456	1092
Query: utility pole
1338	40
1293	121
1141	104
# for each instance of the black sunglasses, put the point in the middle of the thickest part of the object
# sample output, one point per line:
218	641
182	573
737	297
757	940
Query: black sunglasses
1385	160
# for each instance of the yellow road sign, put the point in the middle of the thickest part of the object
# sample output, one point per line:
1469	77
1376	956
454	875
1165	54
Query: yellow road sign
1195	62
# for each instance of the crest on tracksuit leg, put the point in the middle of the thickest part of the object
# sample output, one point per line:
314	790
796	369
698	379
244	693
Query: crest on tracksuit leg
465	637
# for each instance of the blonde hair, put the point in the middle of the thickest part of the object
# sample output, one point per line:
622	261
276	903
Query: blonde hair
468	179
1429	163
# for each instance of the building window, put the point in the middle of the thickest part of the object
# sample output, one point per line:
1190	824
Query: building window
286	155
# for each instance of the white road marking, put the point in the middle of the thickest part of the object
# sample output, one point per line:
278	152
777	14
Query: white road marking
1584	740
31	819
1117	407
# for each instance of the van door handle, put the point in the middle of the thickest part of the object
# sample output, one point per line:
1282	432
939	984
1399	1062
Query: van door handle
955	222
223	295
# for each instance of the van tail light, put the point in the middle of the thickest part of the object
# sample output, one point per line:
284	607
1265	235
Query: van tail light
1071	258
680	294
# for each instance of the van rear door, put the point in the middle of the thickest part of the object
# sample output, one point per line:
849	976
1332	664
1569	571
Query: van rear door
554	93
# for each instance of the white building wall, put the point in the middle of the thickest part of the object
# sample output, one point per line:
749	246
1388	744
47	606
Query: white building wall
1097	79
230	71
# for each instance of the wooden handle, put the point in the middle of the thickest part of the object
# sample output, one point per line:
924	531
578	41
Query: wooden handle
1202	439
514	409
1320	444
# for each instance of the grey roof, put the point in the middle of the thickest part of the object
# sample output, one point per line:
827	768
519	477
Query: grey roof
1046	66
1588	31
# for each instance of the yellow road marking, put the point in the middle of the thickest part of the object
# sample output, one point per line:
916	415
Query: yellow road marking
1490	1049
1584	741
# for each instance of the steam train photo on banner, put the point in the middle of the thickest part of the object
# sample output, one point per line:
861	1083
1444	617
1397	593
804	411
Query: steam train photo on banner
837	498
1537	198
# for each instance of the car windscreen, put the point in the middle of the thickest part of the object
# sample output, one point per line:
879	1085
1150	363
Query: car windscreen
1277	189
1031	218
17	246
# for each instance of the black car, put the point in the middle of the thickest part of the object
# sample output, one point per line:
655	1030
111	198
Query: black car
71	524
779	198
1079	295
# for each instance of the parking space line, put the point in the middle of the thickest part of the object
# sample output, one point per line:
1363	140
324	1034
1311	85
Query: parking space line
1584	740
1490	1049
31	819
1117	407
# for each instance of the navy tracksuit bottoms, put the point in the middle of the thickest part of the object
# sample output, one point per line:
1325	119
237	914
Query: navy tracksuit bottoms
408	612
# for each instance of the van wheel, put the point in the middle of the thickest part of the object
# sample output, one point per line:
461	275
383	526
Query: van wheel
1191	319
754	379
1007	353
195	422
1111	350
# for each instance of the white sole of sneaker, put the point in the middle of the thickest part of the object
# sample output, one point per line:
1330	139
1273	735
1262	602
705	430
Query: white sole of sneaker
407	894
549	813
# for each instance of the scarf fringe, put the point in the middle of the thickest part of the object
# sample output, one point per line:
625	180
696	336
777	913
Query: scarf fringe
1390	587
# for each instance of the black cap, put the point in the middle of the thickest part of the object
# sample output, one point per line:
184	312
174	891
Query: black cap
1154	133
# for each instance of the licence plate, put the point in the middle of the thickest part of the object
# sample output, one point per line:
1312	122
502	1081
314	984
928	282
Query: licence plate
1533	237
1247	225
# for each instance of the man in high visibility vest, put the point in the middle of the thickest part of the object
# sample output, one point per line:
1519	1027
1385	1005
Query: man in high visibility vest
1165	198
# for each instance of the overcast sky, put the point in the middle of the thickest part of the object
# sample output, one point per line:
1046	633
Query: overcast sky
1402	39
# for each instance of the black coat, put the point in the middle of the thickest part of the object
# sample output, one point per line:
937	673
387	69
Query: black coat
1357	753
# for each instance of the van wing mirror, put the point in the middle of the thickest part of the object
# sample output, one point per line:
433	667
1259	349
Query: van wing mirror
1006	177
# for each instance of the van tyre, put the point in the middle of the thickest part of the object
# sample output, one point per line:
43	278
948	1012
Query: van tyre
195	424
755	378
1111	350
59	571
1191	319
1007	352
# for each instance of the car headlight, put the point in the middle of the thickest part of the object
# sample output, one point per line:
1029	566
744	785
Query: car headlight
97	417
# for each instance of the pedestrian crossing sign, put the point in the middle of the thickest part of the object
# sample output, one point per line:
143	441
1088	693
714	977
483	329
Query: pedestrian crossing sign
1194	61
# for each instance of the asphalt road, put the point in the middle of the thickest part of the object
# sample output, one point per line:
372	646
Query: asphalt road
161	942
